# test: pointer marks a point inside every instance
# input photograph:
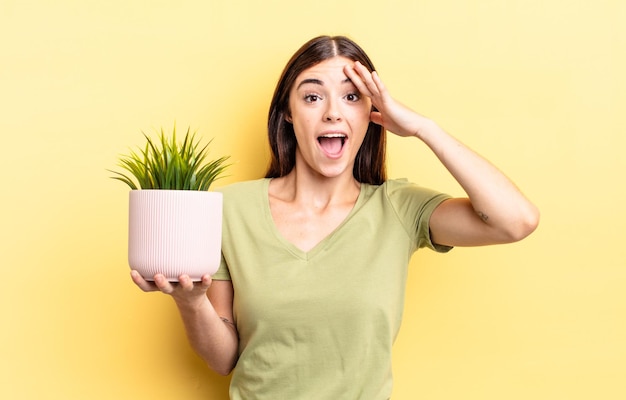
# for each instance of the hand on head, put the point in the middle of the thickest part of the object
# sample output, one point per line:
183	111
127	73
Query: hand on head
390	114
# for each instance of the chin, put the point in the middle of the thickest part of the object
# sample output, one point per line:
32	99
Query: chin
332	173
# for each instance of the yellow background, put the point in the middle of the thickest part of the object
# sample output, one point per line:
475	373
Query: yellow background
537	86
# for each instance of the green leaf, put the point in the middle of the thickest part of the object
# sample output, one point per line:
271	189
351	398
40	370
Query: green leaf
167	164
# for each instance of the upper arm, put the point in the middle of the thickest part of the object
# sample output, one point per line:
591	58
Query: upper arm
455	223
221	295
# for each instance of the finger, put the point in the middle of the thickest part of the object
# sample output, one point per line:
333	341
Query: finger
376	117
206	281
163	284
142	283
378	82
356	79
185	283
367	78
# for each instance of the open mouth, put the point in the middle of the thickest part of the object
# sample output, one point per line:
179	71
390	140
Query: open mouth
332	143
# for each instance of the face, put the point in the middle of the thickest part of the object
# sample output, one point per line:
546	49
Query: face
329	117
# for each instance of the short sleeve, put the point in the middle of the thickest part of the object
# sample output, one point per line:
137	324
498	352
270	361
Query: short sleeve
414	205
223	273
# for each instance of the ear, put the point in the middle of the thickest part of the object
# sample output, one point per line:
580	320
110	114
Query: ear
288	117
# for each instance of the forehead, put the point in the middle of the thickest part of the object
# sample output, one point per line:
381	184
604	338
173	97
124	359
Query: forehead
327	70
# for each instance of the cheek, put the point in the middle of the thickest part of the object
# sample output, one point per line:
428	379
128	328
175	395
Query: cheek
365	112
362	120
302	128
301	124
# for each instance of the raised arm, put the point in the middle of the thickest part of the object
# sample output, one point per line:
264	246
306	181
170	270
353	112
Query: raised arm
495	210
206	309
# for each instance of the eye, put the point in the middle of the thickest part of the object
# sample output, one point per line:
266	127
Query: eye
353	97
311	98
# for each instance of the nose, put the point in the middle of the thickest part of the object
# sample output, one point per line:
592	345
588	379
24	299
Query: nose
332	113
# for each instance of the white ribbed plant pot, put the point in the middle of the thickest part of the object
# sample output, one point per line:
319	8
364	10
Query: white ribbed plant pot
174	232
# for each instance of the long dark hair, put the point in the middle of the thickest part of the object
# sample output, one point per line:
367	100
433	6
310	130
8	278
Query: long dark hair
369	166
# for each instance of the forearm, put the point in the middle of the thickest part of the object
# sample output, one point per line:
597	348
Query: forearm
495	199
214	340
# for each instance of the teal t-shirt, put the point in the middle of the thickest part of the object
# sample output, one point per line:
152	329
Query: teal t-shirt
321	324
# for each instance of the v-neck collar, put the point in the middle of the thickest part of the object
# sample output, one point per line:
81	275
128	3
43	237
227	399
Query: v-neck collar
292	248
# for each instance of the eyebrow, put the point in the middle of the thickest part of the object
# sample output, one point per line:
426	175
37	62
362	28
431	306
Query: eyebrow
319	82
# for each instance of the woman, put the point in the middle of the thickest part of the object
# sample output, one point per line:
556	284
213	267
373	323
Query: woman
309	296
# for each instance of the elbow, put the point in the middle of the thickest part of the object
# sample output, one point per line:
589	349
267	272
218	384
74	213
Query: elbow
223	371
525	224
222	368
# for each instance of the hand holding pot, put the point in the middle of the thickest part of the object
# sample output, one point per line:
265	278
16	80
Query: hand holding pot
183	290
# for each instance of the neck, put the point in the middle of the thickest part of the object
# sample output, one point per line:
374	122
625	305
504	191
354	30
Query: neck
316	190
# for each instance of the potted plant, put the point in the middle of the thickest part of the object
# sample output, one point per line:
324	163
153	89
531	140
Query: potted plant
175	223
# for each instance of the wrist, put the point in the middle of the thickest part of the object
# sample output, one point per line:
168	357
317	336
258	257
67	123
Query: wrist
191	304
425	128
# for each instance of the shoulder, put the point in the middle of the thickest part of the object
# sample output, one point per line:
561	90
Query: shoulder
407	197
413	205
400	188
244	188
244	199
